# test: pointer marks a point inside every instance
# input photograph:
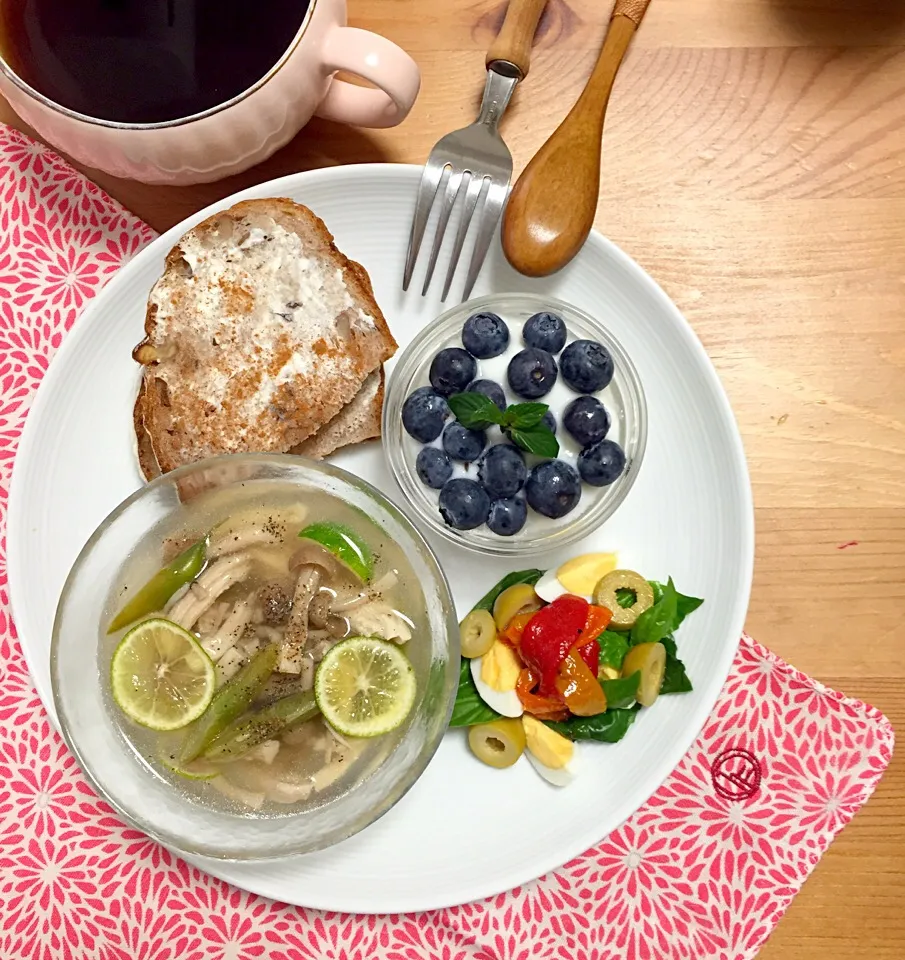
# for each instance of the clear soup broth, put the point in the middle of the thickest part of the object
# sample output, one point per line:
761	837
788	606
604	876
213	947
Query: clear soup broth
242	601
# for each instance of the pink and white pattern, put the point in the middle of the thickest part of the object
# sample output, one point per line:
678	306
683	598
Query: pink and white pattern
691	875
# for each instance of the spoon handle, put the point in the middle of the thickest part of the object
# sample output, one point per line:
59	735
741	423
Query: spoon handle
513	42
552	206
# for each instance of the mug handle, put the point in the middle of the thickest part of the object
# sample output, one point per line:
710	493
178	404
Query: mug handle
378	60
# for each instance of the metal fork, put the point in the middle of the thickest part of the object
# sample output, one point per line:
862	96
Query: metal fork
474	161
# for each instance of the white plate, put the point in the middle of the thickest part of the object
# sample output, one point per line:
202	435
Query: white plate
465	831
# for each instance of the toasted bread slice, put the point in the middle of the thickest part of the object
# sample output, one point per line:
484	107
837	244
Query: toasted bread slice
358	420
258	333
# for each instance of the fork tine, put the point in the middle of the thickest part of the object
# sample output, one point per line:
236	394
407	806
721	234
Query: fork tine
447	203
487	225
472	192
427	190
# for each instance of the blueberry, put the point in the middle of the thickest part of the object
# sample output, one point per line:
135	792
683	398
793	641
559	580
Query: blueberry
553	488
532	373
502	470
452	370
464	504
550	421
460	443
424	413
507	516
433	467
601	463
586	419
586	366
546	331
485	335
493	391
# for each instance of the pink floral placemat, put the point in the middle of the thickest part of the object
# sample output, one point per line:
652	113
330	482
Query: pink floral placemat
704	870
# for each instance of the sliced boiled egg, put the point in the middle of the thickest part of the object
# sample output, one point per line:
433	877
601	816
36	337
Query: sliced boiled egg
496	675
552	755
577	576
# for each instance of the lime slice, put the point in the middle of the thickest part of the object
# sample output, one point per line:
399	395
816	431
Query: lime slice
365	686
345	544
160	677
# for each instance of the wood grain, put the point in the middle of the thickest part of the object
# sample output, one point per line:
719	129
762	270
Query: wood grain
754	164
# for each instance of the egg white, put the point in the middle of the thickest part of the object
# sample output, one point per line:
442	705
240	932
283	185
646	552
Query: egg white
505	702
549	588
558	776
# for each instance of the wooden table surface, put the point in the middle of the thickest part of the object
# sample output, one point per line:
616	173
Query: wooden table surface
754	164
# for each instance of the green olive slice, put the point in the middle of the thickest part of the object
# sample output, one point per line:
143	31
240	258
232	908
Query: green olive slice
515	599
477	633
605	595
499	743
650	660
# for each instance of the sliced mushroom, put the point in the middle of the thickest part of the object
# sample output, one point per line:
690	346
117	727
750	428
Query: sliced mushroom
295	639
319	610
338	575
338	627
206	590
275	604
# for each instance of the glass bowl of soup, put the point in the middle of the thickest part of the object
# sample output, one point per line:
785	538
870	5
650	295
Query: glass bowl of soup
222	645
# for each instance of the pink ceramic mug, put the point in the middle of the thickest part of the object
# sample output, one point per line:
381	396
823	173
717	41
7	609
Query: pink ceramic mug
248	128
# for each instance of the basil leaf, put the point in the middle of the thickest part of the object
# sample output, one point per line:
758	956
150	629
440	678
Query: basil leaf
524	416
621	693
613	648
469	708
510	580
670	644
684	605
539	440
675	679
474	410
657	621
609	727
625	597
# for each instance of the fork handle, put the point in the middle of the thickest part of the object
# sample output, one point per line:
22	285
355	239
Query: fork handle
513	42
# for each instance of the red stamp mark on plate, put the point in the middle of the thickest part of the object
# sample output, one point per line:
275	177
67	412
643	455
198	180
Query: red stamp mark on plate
736	774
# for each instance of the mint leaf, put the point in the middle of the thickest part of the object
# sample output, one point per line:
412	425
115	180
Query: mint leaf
524	416
620	693
474	410
539	440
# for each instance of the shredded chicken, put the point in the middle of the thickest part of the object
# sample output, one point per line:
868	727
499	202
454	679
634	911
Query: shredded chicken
266	752
205	591
248	798
378	618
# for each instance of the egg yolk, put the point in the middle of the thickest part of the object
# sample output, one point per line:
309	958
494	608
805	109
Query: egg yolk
581	574
551	749
500	668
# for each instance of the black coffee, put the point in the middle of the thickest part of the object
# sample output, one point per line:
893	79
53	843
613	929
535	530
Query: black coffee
145	61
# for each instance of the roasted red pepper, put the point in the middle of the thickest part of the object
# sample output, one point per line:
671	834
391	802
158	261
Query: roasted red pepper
549	636
513	632
590	653
544	708
598	620
578	687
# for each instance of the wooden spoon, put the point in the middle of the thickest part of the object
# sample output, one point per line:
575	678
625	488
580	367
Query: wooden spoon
552	206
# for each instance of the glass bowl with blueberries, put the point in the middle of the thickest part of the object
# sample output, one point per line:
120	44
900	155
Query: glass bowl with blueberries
514	423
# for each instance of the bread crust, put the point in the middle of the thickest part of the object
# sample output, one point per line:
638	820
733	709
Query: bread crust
223	371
